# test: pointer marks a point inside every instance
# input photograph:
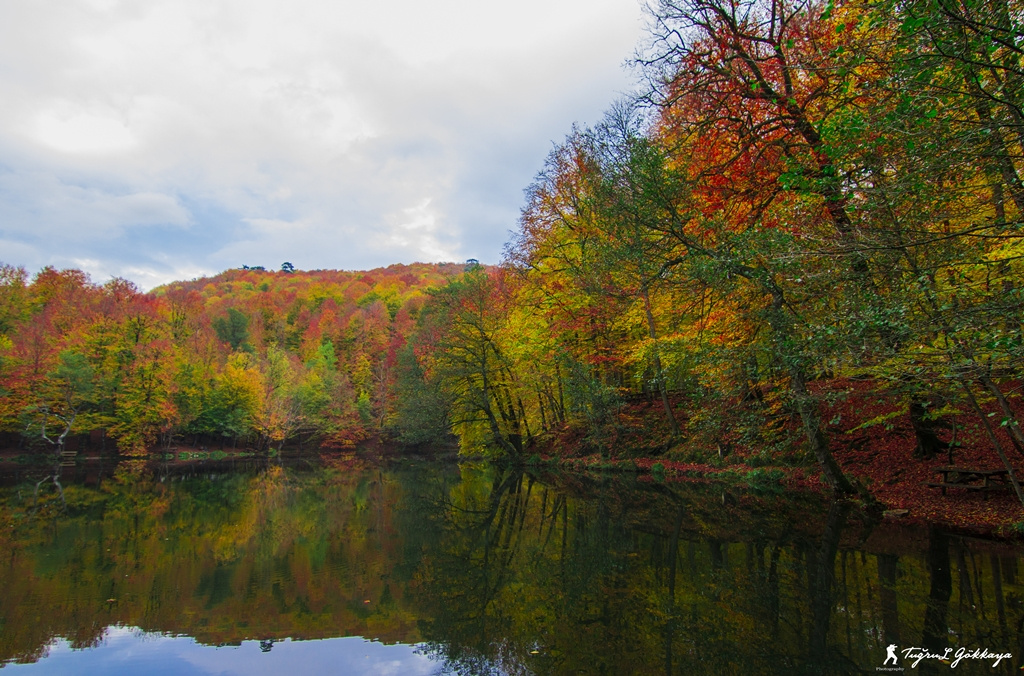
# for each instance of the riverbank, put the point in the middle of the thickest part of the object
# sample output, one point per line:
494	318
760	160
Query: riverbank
869	437
872	442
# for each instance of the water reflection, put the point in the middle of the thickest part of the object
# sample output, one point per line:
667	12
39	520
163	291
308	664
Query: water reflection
489	571
130	651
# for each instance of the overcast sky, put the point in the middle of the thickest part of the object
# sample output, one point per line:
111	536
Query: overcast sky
169	139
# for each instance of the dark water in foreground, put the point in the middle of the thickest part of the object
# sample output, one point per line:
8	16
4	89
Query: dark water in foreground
435	569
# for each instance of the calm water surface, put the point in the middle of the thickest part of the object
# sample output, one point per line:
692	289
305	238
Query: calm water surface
418	568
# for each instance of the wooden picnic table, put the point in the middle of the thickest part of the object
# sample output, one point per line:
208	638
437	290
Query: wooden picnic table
983	480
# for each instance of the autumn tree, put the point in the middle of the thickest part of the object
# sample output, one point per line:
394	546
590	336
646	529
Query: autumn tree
735	250
233	328
466	355
422	413
574	228
789	107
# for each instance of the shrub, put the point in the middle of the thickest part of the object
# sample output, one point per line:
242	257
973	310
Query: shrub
765	479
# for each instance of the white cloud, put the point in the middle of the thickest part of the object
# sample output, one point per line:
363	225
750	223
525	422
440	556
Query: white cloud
417	231
156	136
68	129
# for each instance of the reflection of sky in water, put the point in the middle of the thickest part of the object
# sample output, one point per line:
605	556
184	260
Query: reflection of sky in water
130	651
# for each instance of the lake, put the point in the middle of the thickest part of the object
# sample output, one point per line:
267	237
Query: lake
339	566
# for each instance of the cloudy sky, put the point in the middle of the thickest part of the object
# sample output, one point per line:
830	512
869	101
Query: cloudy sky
169	139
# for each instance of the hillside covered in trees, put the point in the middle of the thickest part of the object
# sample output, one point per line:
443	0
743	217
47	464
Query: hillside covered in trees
248	358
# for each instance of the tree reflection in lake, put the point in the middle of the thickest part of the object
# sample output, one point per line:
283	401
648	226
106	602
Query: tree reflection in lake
497	571
563	575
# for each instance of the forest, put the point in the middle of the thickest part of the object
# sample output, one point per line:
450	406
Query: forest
249	359
805	203
810	201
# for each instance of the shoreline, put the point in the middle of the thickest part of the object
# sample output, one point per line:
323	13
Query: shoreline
998	517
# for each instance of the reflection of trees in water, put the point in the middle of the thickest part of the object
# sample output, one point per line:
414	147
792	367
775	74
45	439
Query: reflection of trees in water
220	556
934	636
887	595
540	578
500	572
821	577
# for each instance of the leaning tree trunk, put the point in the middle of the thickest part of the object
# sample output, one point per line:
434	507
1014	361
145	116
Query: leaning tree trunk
995	442
804	403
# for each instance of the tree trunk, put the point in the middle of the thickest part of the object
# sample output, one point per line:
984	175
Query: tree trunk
805	405
995	442
659	374
808	410
1011	418
928	442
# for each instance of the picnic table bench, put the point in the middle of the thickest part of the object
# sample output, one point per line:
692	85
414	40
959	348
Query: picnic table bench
983	480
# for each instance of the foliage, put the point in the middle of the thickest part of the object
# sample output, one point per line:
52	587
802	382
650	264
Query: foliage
250	357
233	329
822	189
